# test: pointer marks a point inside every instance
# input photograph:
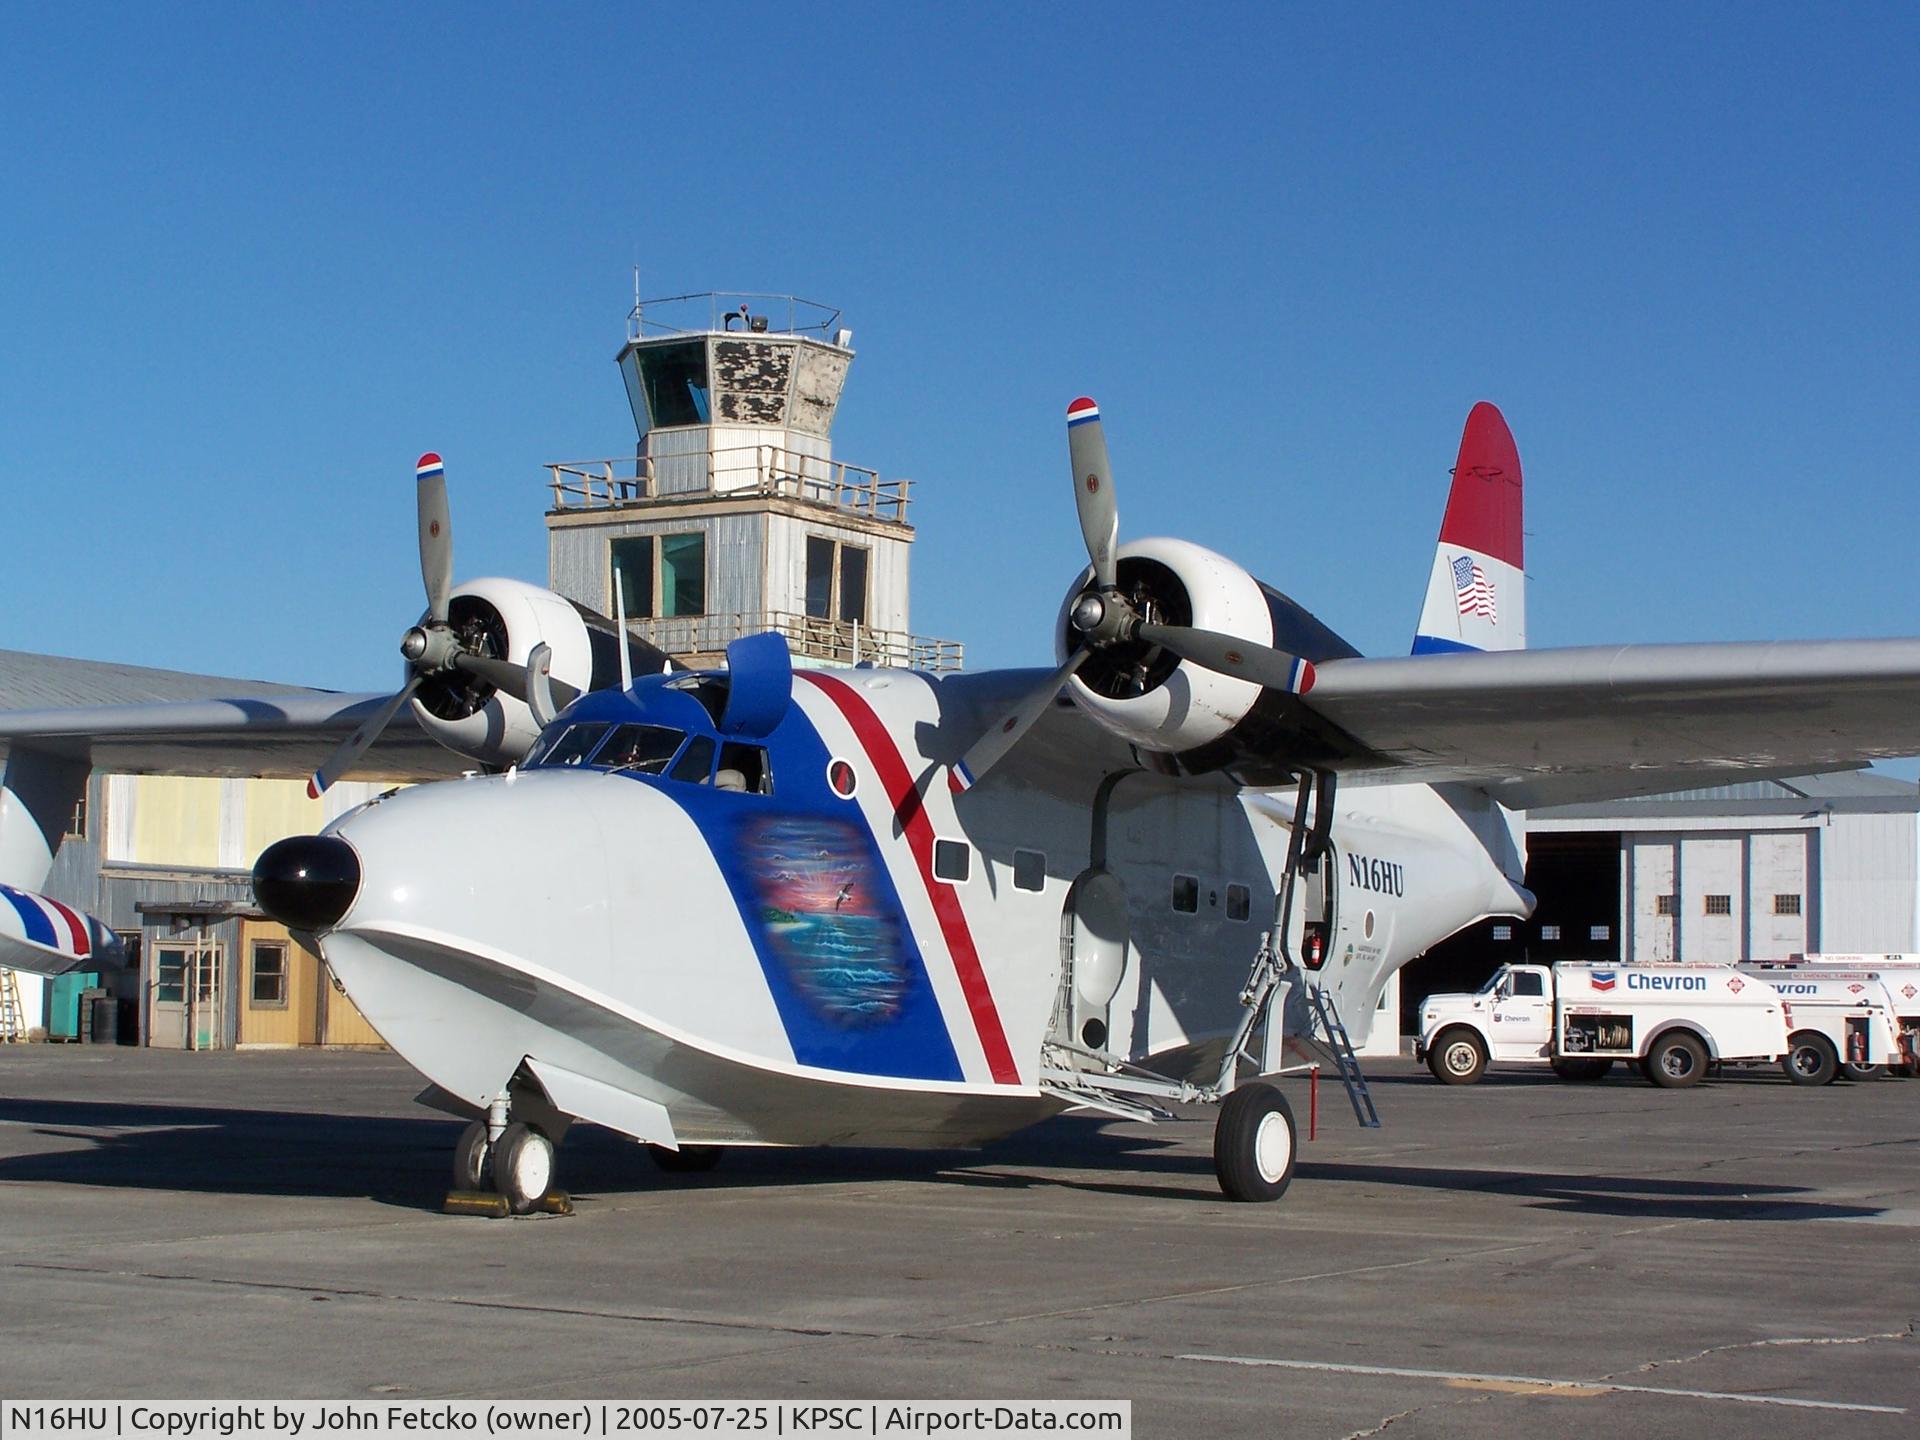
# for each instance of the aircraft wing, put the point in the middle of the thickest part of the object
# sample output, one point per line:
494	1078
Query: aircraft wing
133	720
1539	727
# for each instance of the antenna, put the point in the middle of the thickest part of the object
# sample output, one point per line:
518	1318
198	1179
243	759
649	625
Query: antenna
633	316
620	614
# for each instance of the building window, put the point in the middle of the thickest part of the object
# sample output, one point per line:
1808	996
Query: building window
77	822
1239	902
952	861
674	378
663	576
836	581
1549	932
1599	932
170	979
1503	932
269	975
1719	905
1786	904
1029	870
1186	894
1666	904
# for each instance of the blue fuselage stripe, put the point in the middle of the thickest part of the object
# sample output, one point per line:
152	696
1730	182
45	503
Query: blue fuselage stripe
817	901
39	928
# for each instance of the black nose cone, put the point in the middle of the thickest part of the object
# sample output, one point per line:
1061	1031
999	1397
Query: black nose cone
307	882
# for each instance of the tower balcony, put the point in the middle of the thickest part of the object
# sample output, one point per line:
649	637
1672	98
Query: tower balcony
767	471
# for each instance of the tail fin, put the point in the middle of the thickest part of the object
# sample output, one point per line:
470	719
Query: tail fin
1477	594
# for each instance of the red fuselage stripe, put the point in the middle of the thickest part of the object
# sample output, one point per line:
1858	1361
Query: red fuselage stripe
76	927
911	814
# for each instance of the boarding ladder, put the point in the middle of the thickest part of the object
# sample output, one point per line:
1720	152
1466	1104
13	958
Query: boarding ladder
1275	970
1333	1037
13	1020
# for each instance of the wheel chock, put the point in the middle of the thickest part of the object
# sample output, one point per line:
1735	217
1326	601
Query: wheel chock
493	1206
475	1202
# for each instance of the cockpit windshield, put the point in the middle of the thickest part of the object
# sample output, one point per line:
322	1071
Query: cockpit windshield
646	748
565	744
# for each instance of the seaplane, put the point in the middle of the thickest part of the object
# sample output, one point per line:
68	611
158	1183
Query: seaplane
766	906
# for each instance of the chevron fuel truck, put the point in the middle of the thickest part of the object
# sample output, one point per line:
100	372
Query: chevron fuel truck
1672	1021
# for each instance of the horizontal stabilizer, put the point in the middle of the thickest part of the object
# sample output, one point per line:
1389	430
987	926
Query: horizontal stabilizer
44	937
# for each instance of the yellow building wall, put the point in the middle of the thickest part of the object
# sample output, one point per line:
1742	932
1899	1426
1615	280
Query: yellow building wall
175	821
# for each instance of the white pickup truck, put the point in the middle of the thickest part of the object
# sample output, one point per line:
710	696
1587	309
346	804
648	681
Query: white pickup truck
1841	1020
1579	1017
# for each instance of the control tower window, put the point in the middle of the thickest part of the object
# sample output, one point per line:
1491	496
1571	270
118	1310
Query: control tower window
836	581
663	575
674	378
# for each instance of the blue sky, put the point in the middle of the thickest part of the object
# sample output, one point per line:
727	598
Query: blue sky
254	259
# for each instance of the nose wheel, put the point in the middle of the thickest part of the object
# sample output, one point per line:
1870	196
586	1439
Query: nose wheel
510	1175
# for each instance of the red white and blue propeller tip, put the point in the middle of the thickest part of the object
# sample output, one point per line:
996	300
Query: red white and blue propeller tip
428	467
1081	411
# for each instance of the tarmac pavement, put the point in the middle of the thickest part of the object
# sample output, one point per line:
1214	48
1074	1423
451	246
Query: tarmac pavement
1518	1258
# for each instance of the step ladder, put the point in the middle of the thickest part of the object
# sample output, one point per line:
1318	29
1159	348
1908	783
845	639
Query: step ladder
13	1020
1333	1035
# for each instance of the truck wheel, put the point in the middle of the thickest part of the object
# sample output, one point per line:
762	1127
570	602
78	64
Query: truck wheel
1810	1058
1859	1072
1458	1057
1676	1061
1253	1143
1581	1069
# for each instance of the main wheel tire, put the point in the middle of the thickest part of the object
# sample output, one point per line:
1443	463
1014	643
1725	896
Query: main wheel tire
1458	1057
1810	1058
1849	1070
470	1158
1254	1143
523	1167
1676	1061
1581	1069
688	1159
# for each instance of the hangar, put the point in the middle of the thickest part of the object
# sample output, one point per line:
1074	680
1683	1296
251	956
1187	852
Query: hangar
1755	871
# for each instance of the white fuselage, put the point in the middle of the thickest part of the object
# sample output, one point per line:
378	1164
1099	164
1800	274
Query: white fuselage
880	967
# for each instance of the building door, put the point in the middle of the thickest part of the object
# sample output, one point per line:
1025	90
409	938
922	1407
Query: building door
1656	900
186	1009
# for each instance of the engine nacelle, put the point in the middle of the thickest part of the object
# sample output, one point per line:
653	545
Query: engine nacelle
504	619
1147	696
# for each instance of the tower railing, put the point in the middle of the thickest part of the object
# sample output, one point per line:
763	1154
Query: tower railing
744	470
810	637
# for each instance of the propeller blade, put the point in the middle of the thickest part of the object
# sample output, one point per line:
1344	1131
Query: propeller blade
436	536
1093	488
512	679
540	684
350	749
991	748
1229	655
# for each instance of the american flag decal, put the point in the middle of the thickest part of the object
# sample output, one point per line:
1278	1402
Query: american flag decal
1473	590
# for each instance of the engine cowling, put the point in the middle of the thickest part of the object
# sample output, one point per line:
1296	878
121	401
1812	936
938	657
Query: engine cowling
1147	695
1191	719
505	619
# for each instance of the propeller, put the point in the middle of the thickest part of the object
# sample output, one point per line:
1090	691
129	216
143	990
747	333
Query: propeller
1105	617
433	649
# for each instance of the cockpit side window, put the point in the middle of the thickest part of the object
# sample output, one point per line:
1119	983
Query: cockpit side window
744	767
695	765
645	748
568	746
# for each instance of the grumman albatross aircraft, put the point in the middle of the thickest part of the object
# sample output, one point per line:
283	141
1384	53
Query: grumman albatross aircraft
757	906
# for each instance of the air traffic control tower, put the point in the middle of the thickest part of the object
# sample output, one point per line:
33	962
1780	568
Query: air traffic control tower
732	517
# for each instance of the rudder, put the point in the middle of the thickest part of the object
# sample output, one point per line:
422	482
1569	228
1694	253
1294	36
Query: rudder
1477	592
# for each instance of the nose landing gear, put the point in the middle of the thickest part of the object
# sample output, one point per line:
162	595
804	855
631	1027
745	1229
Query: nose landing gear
503	1167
